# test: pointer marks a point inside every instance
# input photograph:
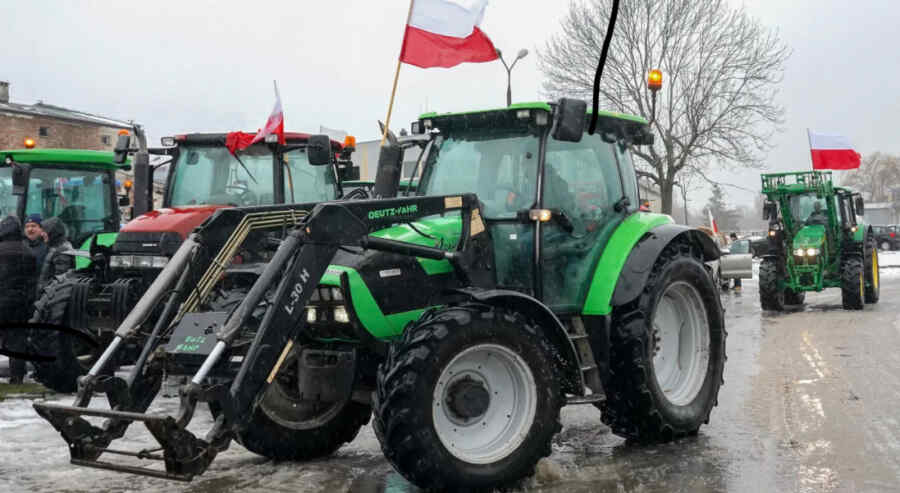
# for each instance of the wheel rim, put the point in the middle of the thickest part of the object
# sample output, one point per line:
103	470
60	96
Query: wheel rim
874	269
681	343
283	404
491	432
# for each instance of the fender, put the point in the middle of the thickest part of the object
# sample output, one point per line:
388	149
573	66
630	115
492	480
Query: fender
634	274
573	381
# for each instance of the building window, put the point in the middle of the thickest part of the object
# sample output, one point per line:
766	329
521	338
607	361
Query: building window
105	139
44	131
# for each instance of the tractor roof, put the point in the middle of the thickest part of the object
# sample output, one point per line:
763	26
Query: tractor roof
528	106
797	182
219	138
76	157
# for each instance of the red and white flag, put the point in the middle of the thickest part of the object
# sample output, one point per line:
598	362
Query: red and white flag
445	33
830	151
712	222
238	141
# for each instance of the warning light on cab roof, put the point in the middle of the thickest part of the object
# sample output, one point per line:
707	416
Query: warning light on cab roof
654	80
29	143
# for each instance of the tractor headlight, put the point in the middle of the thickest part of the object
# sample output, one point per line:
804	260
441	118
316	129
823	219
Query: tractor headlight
326	304
138	261
798	252
121	261
812	252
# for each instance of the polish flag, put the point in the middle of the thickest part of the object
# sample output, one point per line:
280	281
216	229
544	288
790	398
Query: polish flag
712	222
238	141
445	33
830	151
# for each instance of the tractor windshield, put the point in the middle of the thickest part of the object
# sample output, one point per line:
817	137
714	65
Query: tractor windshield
211	175
808	209
502	171
82	199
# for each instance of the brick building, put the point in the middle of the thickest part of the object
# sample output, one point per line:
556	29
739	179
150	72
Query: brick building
54	126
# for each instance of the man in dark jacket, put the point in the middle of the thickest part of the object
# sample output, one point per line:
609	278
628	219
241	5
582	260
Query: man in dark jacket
18	273
35	238
56	262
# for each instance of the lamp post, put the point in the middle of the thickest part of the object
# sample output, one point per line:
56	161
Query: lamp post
522	54
683	200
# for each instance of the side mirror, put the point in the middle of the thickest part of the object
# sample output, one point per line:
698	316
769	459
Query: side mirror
124	201
123	143
143	183
19	178
318	150
390	164
859	205
569	120
348	173
643	137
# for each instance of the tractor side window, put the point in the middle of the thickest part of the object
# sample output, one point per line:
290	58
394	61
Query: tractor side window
7	199
211	175
629	177
306	183
581	180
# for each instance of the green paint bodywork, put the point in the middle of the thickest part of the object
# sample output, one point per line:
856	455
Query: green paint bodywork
812	236
105	239
78	157
606	274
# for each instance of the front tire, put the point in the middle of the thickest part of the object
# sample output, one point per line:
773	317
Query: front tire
873	281
667	353
771	297
852	283
63	302
469	399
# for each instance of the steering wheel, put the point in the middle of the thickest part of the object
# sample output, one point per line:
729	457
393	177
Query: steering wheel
245	196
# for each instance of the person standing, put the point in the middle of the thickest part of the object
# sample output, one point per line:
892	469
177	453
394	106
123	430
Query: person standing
35	238
18	273
55	262
737	280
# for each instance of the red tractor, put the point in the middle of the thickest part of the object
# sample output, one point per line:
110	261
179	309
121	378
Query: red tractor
203	176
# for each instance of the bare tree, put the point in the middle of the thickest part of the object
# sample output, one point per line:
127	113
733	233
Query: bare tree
876	177
721	70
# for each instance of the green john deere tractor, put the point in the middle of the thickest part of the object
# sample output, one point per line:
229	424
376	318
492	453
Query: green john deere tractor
815	242
521	277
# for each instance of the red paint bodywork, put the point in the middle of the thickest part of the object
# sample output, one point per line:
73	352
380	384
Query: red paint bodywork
179	219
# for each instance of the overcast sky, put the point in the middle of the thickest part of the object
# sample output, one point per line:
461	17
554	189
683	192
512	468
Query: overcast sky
208	66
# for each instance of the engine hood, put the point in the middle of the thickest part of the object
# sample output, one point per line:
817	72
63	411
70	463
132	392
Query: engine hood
812	236
388	289
180	220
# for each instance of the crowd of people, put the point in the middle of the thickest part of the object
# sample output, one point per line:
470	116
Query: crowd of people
30	257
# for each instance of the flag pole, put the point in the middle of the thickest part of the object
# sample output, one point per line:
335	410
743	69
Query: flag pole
387	121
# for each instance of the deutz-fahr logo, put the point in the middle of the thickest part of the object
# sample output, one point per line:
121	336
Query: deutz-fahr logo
403	210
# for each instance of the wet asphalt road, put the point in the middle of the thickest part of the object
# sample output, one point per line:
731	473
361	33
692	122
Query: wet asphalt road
810	404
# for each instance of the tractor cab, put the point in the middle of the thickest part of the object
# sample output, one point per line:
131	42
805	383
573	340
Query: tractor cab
550	204
77	186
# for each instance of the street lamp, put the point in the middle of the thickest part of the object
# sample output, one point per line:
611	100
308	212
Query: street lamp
683	199
522	54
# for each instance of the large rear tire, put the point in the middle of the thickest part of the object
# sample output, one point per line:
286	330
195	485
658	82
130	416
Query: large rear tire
873	280
852	283
667	353
63	302
469	399
771	297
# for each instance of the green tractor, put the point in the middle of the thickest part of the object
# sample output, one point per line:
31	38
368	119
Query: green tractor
815	242
77	186
520	277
